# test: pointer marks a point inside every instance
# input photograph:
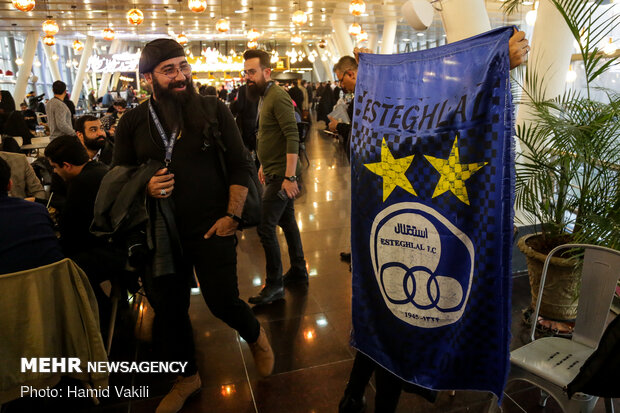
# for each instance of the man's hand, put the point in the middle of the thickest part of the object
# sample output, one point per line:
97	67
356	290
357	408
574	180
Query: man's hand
358	50
261	175
291	188
223	227
333	124
519	48
161	184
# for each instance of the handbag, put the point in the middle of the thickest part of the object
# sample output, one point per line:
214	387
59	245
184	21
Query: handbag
252	208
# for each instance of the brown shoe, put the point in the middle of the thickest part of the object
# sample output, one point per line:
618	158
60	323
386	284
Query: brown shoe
263	354
182	389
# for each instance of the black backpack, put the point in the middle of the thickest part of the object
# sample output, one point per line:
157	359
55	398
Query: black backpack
212	135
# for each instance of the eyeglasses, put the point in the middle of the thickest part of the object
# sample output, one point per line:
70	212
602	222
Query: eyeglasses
172	72
342	78
249	72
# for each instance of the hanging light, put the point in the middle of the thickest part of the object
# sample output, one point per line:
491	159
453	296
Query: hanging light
252	34
135	16
362	37
19	61
355	29
182	39
222	25
55	57
609	48
37	63
78	46
50	27
252	44
300	18
296	39
49	40
108	34
357	7
530	16
322	44
571	75
24	5
197	6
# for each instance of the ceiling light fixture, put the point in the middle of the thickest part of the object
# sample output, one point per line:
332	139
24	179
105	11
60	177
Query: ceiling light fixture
197	6
77	46
182	39
135	16
50	27
222	25
357	7
252	44
355	29
24	5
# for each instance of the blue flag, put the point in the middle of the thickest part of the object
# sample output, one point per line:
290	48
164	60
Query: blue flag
432	164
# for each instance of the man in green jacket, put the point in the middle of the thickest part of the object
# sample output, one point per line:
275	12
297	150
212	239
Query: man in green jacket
277	150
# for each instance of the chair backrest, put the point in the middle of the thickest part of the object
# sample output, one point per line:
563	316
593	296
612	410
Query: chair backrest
599	277
600	274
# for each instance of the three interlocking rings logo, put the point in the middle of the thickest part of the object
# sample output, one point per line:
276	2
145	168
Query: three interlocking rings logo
423	264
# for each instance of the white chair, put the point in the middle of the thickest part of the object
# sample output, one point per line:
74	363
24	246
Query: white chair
551	363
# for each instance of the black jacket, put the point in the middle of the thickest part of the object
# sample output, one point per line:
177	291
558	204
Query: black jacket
125	212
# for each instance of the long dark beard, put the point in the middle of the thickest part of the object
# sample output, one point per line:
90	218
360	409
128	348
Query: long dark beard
256	90
94	144
171	105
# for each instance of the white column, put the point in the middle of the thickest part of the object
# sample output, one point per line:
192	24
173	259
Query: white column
464	18
550	56
325	63
115	78
315	66
30	47
344	45
105	77
372	41
81	71
389	34
52	64
335	56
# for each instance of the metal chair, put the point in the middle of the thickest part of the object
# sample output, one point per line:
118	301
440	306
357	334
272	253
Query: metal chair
551	363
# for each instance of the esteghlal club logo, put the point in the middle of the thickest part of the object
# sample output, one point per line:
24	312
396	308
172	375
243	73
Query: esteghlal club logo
423	264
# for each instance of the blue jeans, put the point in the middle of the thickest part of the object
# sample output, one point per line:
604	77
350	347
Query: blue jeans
277	211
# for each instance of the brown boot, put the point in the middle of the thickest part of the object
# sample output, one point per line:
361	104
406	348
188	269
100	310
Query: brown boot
182	389
263	354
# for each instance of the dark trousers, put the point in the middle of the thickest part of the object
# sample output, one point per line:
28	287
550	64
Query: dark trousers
388	385
277	211
215	262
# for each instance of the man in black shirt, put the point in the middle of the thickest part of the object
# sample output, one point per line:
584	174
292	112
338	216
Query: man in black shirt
95	256
170	127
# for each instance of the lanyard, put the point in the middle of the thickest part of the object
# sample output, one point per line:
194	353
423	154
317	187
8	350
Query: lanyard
168	142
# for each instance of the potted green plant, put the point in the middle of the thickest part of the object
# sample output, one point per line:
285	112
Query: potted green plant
568	173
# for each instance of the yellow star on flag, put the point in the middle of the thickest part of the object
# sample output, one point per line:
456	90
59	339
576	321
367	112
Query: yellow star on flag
392	170
453	173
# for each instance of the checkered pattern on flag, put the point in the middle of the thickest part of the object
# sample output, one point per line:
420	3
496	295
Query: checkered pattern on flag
432	165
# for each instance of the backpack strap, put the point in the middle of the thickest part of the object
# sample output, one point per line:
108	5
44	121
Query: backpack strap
211	134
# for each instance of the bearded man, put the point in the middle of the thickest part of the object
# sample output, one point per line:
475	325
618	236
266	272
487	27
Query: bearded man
169	128
277	147
90	132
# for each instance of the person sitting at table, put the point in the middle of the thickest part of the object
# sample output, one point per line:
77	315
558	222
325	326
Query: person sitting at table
11	121
114	114
90	132
95	256
27	238
29	116
25	184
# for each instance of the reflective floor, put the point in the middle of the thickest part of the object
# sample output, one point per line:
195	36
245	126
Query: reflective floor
309	330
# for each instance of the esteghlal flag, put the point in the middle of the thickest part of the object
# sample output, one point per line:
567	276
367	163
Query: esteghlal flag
432	213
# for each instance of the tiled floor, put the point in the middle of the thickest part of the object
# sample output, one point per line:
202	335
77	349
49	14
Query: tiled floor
308	330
